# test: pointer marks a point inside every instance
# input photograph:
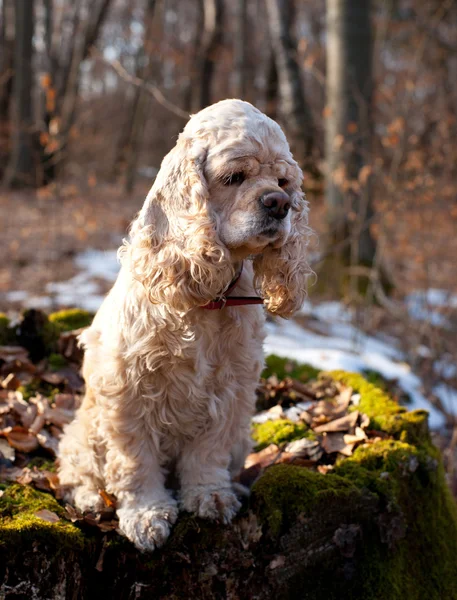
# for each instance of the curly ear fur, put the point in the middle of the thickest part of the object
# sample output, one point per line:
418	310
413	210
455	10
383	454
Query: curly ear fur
280	274
174	249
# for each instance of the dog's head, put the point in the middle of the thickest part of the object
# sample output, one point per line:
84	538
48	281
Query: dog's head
229	189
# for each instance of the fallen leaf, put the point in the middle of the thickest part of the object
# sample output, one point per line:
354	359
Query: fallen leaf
264	458
59	416
6	450
304	448
342	424
48	442
359	436
11	382
47	515
65	401
53	378
108	499
20	439
275	412
333	442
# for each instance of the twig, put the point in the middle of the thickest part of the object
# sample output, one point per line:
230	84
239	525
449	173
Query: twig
149	87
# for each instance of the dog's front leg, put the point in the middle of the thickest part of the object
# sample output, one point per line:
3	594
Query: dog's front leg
146	510
206	487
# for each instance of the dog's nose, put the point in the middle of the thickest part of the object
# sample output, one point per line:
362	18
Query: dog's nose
276	203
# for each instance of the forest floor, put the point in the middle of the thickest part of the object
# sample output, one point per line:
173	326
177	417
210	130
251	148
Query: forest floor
60	250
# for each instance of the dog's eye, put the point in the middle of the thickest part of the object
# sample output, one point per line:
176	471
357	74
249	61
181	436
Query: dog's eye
282	182
234	179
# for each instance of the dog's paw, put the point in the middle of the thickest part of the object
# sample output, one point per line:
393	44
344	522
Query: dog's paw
210	502
86	499
147	528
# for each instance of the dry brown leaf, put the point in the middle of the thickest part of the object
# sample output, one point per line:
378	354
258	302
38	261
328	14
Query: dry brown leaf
73	513
342	424
359	436
37	424
108	499
333	442
47	515
59	416
20	439
6	450
65	401
11	382
265	457
304	448
13	353
48	442
53	378
276	412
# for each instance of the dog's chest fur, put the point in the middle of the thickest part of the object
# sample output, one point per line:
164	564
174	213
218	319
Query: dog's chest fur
212	378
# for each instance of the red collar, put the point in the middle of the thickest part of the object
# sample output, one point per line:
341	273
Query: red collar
224	301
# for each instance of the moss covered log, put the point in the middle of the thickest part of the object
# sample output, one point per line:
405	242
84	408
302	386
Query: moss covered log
381	525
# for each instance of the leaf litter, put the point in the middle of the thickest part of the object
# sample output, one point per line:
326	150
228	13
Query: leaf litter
37	401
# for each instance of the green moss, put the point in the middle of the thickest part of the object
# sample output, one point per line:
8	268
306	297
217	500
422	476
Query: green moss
386	414
285	367
278	432
393	490
42	464
36	386
18	520
57	361
285	492
72	318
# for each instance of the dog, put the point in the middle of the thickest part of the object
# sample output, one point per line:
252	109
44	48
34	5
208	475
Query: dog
171	362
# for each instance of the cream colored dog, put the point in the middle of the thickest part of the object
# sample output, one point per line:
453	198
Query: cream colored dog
170	383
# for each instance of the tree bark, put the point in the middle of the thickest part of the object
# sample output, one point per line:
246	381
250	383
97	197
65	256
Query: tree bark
140	101
349	126
22	168
6	58
213	15
240	61
294	109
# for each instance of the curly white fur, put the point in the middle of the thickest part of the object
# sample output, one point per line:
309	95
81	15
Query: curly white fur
169	384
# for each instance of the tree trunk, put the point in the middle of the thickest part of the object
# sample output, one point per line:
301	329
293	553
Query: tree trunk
213	14
381	525
294	109
140	101
6	58
22	169
71	84
349	126
240	51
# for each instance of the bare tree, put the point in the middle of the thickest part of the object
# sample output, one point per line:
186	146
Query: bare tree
213	15
21	170
140	102
65	53
240	50
349	125
294	109
6	57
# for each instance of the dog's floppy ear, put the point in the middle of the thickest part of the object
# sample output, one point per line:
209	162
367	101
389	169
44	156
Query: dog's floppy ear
280	274
174	249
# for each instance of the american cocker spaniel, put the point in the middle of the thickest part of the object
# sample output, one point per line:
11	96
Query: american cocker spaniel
171	363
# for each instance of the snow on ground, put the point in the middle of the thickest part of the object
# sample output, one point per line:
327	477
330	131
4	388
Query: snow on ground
288	339
325	336
82	290
429	305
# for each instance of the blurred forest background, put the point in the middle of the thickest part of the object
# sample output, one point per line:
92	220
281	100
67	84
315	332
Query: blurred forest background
93	94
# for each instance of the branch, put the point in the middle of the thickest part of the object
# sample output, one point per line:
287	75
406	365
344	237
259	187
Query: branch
149	87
